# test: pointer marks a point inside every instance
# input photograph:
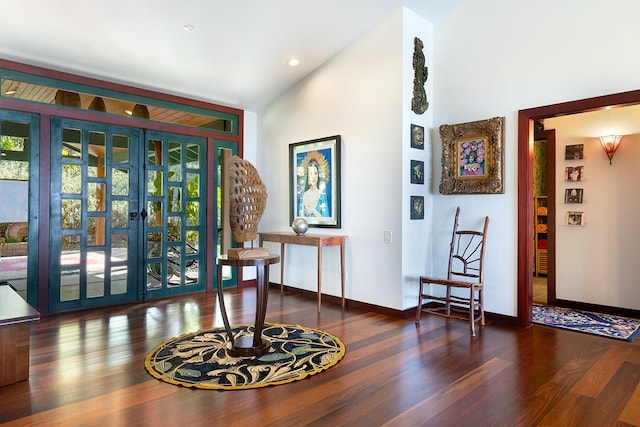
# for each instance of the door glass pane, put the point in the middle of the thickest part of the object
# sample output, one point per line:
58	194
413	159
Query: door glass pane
193	238
70	268
97	153
193	156
154	212
119	247
174	266
120	182
154	183
174	228
154	155
96	231
95	274
14	149
119	214
193	185
96	196
70	245
69	286
154	245
193	212
175	162
70	218
119	277
175	204
71	179
120	149
154	266
72	143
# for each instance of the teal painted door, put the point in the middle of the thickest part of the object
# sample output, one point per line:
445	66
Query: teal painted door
127	214
19	187
223	150
94	206
175	213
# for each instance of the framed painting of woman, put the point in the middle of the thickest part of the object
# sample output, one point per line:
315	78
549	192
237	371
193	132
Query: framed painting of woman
314	181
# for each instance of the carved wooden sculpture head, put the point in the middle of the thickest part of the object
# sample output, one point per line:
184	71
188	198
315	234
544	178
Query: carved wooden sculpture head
247	199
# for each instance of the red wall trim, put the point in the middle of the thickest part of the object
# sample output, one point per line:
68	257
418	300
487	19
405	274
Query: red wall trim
74	78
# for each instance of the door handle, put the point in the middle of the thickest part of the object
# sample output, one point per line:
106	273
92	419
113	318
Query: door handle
143	213
133	215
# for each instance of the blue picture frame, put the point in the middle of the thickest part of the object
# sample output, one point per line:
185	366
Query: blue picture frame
417	172
417	207
417	137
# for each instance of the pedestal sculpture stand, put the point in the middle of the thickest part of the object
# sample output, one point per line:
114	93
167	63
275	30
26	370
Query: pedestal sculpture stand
246	346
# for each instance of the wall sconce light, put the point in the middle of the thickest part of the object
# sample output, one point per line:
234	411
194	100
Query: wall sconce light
610	144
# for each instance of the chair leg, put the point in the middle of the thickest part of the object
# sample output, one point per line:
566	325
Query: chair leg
448	302
481	305
472	310
419	307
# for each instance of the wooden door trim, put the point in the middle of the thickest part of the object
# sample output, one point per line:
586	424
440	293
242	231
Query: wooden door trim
526	120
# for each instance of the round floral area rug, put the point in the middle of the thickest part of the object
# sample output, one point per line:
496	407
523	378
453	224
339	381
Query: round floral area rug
200	360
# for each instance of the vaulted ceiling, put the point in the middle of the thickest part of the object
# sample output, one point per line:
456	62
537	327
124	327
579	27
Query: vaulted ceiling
233	53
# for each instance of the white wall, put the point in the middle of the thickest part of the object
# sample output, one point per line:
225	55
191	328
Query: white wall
596	263
361	95
250	153
487	58
416	234
495	57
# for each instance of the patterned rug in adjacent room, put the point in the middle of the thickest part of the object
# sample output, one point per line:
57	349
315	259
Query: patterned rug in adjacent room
199	359
605	325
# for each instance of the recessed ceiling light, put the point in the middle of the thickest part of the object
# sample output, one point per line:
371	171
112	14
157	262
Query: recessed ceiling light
10	92
188	27
294	62
129	112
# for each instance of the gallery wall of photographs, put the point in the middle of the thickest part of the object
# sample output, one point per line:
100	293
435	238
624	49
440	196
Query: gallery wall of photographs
417	172
574	177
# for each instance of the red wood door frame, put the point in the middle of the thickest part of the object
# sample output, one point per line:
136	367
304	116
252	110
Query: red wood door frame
526	120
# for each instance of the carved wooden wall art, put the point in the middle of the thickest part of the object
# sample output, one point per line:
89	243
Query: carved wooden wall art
419	103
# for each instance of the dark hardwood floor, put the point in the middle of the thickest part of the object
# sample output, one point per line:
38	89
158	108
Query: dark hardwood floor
87	369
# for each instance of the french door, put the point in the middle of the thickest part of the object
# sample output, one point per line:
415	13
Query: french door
127	214
19	185
174	215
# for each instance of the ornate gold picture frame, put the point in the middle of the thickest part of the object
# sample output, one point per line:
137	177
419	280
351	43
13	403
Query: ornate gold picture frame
473	157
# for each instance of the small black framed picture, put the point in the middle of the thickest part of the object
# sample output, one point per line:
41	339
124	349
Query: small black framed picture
574	152
573	195
575	218
574	173
417	207
417	137
417	172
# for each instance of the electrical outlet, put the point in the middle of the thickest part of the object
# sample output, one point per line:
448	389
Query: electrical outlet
388	236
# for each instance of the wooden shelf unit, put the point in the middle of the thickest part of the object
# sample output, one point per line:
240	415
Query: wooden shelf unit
540	233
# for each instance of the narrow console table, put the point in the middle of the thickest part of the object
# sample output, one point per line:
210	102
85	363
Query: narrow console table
317	240
247	346
15	333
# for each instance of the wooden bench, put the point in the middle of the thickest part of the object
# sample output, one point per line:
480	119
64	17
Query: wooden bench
15	333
